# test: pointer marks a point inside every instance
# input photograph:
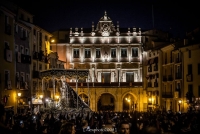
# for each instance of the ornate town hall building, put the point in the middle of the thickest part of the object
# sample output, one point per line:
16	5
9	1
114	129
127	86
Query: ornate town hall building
114	60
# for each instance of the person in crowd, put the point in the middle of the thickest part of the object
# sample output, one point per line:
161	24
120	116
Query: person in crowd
85	128
3	128
67	128
42	130
124	127
151	130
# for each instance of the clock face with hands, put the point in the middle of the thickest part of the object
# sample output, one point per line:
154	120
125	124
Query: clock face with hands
105	30
106	27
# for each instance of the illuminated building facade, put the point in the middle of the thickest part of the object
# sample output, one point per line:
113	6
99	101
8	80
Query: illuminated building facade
7	60
114	60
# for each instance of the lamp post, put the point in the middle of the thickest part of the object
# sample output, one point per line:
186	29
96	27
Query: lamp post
18	100
179	105
57	99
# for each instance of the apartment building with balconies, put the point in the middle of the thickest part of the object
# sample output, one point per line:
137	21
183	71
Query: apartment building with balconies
167	90
7	58
23	62
191	71
153	40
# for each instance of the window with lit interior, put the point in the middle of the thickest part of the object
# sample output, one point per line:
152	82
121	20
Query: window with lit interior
76	53
123	52
113	52
135	52
87	53
98	53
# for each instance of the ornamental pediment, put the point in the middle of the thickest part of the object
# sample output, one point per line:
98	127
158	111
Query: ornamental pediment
105	26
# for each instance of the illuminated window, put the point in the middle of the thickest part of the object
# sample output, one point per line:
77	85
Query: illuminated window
134	52
98	53
123	52
113	52
87	53
76	53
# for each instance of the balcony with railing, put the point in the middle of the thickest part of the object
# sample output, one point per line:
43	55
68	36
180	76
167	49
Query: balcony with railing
189	77
155	84
167	95
149	84
178	76
35	55
170	78
112	84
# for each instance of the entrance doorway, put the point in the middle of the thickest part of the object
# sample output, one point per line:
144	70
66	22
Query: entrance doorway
128	103
106	102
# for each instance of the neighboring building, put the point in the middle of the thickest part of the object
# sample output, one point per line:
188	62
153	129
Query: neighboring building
25	53
40	50
167	78
114	60
23	63
191	71
153	41
7	58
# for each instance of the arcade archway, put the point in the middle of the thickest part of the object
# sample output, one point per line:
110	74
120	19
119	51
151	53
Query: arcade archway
106	102
129	103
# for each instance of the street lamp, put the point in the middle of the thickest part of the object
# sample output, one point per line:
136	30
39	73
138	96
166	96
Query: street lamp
18	101
19	94
179	105
53	40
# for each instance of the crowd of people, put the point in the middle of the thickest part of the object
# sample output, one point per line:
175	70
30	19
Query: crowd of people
102	122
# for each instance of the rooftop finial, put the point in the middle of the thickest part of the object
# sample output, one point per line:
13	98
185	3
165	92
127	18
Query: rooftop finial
105	16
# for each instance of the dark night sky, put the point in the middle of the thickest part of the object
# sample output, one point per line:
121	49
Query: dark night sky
178	18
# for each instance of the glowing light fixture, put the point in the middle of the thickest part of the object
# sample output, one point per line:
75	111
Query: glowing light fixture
57	97
19	94
52	40
41	96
